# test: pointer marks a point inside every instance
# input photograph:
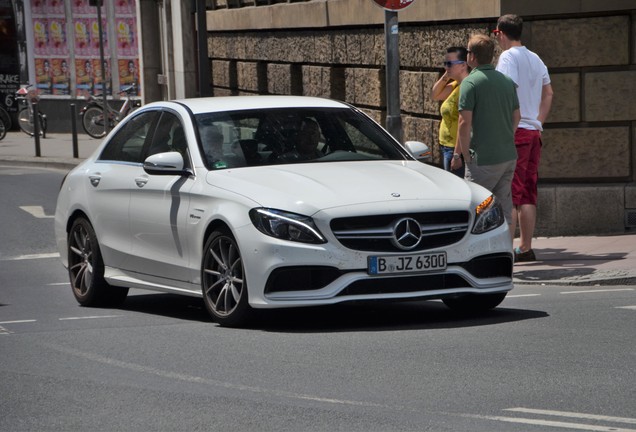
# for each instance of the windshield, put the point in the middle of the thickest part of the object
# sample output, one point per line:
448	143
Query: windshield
292	135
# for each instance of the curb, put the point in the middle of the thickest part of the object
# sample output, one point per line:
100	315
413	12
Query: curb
41	162
589	282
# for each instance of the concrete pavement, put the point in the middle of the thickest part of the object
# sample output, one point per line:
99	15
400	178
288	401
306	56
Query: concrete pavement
586	260
56	150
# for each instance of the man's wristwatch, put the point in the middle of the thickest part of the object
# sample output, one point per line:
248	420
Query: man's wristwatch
456	156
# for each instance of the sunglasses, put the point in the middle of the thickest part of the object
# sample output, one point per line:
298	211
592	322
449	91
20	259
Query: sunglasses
452	62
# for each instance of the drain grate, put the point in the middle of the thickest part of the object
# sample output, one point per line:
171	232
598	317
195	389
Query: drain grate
630	218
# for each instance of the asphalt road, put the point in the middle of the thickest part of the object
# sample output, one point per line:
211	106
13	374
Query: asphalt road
549	358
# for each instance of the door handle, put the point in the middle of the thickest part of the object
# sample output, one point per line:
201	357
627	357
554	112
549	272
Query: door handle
141	181
95	179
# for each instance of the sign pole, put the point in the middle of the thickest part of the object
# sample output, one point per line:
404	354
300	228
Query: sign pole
98	4
393	117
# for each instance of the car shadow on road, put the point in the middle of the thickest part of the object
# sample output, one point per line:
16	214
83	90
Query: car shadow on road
376	317
358	316
167	305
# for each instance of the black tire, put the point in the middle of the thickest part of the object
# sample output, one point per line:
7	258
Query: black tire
93	122
3	130
223	281
26	124
86	269
475	302
5	123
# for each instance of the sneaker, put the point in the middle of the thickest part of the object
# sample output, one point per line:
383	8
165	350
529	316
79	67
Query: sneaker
526	256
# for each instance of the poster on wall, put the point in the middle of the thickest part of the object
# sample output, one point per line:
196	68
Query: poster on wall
61	76
82	7
82	37
94	37
58	45
127	51
84	77
97	76
54	7
40	36
43	79
126	31
125	7
128	72
66	49
38	7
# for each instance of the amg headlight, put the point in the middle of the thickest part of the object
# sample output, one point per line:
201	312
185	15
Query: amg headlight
286	226
488	216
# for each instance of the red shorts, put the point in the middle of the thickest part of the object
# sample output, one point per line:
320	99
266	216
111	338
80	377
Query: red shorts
524	182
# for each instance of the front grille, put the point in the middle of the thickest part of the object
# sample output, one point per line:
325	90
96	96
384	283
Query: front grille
375	233
404	284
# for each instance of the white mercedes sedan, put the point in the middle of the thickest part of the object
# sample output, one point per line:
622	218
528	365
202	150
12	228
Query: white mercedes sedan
275	201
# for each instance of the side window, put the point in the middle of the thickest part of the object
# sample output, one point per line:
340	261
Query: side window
169	136
128	143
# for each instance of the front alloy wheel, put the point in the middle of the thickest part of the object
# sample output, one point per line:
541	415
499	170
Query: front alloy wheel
86	269
223	280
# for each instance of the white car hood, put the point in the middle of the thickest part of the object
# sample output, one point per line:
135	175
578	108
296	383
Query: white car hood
309	188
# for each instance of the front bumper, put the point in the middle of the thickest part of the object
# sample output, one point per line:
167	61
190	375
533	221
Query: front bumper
286	274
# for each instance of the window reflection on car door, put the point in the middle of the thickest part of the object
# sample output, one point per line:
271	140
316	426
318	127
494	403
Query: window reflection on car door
159	209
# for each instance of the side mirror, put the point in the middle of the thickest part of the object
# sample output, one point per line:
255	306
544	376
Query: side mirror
419	151
169	163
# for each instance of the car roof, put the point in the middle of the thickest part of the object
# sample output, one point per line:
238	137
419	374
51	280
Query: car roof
235	103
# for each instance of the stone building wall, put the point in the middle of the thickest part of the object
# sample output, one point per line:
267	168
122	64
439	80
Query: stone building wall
587	173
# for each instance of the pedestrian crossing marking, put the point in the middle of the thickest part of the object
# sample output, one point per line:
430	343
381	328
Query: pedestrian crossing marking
36	211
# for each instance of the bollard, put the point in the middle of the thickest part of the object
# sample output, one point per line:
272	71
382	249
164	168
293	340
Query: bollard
74	131
36	128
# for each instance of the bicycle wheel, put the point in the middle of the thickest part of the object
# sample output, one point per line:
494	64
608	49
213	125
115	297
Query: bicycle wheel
3	130
93	122
6	119
25	121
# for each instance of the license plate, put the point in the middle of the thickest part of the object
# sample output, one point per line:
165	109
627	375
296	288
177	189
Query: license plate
391	264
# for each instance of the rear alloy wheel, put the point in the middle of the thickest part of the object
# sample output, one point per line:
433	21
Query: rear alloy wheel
223	280
86	269
475	302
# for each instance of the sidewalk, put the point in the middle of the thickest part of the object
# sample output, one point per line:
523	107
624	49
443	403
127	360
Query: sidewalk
588	260
56	150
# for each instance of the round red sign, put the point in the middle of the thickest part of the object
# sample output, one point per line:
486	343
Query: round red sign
393	5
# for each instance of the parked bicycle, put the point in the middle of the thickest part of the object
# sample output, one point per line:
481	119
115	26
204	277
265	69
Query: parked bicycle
93	113
25	97
5	123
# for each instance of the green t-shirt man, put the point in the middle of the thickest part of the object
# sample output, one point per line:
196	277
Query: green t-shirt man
492	97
